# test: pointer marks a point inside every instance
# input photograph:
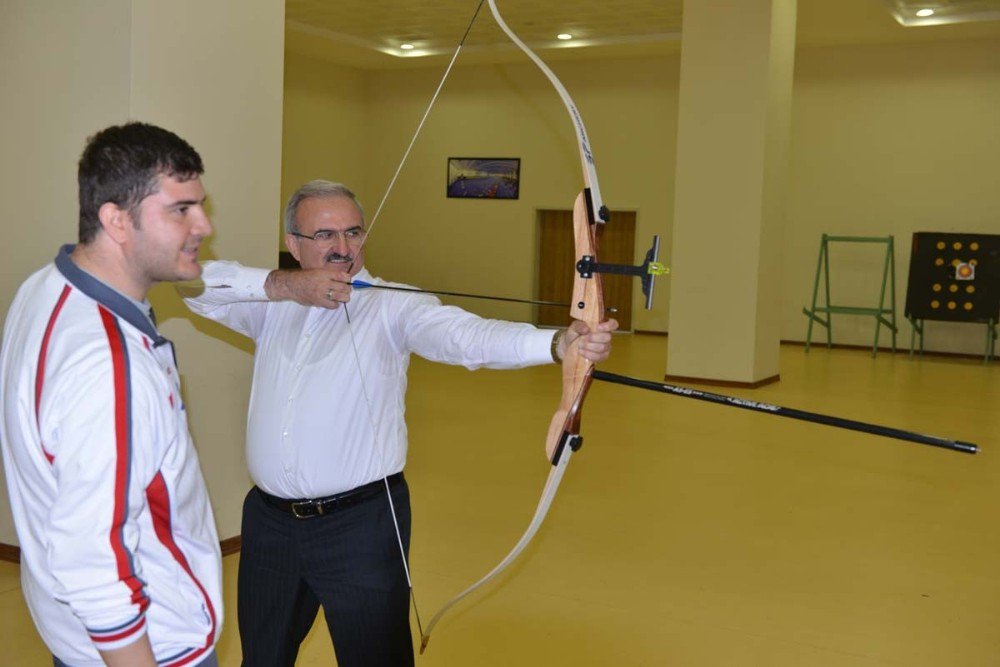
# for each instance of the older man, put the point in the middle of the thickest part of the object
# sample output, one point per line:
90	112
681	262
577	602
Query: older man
328	522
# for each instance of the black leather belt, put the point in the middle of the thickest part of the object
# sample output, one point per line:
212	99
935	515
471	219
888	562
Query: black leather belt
308	508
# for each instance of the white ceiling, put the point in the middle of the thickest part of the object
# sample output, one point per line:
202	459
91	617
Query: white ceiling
368	33
946	12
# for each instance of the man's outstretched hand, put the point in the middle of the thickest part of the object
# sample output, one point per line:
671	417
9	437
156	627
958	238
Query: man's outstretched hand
322	288
594	345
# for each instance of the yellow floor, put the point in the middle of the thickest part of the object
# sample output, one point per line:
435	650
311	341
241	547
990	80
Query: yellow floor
691	534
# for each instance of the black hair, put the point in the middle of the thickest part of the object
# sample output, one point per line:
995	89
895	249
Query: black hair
121	164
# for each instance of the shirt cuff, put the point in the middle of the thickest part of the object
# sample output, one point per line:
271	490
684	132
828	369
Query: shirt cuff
109	639
237	282
536	348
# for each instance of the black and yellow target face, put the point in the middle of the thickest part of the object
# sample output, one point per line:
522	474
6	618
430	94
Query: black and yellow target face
954	277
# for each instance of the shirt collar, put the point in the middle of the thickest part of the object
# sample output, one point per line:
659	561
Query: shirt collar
119	304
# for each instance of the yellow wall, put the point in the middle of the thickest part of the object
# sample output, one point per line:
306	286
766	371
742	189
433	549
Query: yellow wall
325	127
885	140
890	140
217	81
57	91
489	247
210	72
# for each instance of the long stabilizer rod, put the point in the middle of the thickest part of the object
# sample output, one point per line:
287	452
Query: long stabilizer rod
827	420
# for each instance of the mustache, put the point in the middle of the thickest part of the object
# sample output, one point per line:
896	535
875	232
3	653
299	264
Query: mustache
337	257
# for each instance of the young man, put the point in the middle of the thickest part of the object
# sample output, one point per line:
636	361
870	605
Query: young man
326	435
120	561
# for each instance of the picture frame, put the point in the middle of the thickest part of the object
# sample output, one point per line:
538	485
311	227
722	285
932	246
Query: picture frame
484	178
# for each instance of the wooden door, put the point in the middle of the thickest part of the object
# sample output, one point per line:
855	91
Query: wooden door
556	265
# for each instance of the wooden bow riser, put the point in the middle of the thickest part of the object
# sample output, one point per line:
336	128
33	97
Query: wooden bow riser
587	306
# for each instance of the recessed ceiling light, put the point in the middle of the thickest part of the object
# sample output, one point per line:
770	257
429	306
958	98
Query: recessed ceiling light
924	13
564	36
406	47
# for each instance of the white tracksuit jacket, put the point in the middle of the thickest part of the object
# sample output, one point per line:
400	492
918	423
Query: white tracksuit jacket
116	532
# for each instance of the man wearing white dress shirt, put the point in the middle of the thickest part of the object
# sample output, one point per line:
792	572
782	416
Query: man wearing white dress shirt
326	436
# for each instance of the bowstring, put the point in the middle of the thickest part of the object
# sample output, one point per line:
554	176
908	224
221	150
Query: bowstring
385	478
420	125
350	328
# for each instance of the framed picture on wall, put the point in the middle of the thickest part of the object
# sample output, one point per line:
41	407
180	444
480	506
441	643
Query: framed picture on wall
484	177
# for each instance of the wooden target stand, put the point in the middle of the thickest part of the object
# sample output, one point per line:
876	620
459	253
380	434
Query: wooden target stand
954	278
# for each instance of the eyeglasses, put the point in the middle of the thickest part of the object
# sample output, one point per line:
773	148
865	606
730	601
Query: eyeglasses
354	236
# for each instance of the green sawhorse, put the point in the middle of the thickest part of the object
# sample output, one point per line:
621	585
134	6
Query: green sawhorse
879	312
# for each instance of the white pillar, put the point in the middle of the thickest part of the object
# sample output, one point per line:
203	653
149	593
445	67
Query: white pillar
734	114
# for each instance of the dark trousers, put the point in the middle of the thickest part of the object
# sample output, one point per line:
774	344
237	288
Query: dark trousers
348	561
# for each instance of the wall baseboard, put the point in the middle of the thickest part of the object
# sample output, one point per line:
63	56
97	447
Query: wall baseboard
722	383
888	350
10	553
842	346
231	545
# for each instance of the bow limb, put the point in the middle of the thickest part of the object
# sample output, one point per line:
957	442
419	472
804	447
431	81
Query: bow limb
548	494
596	204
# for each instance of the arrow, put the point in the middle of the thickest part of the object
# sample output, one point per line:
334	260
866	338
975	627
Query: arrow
362	284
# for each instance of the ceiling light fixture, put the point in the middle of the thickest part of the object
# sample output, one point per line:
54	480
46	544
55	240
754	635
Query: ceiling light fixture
406	47
564	36
924	13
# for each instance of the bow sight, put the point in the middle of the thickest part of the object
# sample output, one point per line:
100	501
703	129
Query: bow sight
647	271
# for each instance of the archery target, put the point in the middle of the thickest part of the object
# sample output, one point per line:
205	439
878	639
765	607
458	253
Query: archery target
965	267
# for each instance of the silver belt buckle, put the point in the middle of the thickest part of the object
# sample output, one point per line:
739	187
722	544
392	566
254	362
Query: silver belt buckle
298	508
